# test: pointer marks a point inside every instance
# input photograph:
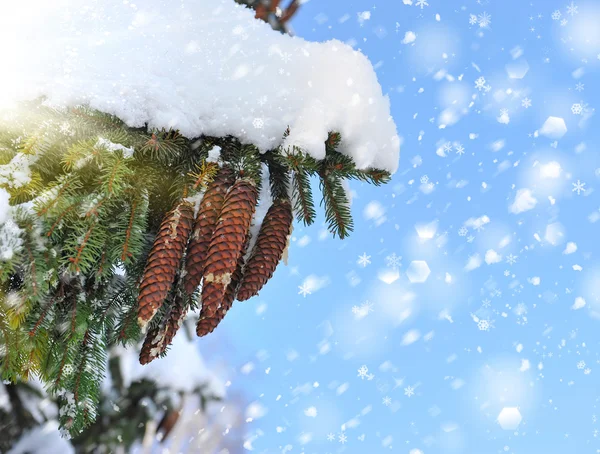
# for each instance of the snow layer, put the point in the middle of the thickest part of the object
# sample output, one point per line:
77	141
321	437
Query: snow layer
204	67
44	439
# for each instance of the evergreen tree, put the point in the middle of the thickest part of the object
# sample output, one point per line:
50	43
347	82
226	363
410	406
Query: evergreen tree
117	232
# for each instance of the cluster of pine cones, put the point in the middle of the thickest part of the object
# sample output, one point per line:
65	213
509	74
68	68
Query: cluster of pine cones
210	249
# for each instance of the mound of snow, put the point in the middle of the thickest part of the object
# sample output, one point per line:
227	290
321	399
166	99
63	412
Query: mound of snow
203	67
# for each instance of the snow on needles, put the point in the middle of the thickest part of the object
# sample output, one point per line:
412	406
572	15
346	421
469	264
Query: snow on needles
203	67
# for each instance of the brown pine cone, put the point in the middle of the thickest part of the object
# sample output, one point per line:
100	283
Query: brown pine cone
149	351
204	226
158	339
227	243
207	325
268	249
164	260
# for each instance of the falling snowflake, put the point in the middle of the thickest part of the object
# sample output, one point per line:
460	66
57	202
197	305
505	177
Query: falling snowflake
460	150
362	372
424	179
258	123
387	401
480	83
556	15
470	239
421	3
262	100
587	371
579	86
330	437
472	19
409	391
572	9
526	102
511	259
578	187
576	109
486	303
483	325
463	231
581	365
367	307
343	438
393	261
485	20
564	22
364	259
304	290
521	309
447	147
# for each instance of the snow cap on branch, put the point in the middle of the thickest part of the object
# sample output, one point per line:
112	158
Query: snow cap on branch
203	67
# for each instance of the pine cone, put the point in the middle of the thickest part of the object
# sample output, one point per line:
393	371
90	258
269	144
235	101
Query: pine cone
163	261
158	339
207	325
268	249
227	243
205	224
148	351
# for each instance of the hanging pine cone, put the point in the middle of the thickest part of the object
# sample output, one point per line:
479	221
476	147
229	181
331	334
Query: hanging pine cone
268	249
148	351
164	260
227	243
204	226
207	325
158	339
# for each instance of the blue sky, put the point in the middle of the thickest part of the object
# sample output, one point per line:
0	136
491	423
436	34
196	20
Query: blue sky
487	199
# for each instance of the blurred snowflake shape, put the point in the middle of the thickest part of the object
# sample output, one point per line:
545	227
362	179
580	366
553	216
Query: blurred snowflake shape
258	123
485	20
577	109
483	325
362	372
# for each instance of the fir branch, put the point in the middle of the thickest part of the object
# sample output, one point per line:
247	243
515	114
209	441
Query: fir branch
337	207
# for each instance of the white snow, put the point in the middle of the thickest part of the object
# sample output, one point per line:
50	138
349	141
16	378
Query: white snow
418	271
579	303
111	146
570	248
554	128
473	262
410	337
44	439
375	211
203	67
492	256
409	37
524	201
4	206
509	418
550	170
